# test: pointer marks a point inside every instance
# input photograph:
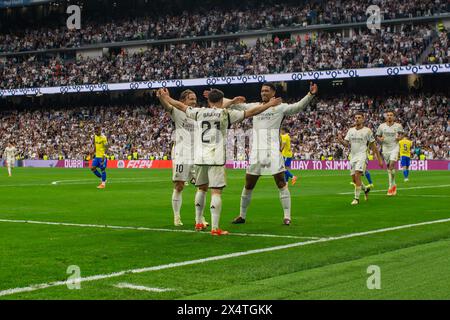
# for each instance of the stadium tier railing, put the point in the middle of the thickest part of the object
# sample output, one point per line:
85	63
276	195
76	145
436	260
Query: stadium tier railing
243	34
297	76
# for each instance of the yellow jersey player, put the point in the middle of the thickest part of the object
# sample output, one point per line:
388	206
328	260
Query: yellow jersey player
100	161
405	155
286	152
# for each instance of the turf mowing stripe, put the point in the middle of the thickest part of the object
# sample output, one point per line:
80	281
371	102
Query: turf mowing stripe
69	224
124	285
214	258
410	188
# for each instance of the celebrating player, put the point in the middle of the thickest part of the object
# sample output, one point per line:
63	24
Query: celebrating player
388	134
265	155
183	160
210	144
10	156
405	155
100	161
286	152
359	138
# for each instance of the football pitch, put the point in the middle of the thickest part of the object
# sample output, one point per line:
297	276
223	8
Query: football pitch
124	245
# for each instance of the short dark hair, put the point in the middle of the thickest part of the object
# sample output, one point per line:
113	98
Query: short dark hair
215	95
270	85
390	111
360	113
285	129
185	94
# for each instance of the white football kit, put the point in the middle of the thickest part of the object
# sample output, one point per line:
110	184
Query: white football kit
10	154
265	155
183	167
390	146
359	141
210	134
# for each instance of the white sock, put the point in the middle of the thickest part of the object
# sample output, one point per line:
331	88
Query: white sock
177	200
216	208
390	178
393	176
200	200
285	198
246	197
357	192
9	170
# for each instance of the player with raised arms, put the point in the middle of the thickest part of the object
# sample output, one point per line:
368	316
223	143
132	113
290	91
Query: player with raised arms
265	155
359	138
100	161
183	168
211	128
389	133
10	156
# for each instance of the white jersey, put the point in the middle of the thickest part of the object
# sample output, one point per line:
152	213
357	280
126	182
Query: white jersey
359	142
183	150
10	152
211	132
390	134
266	128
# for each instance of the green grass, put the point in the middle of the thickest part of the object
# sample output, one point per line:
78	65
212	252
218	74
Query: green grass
37	253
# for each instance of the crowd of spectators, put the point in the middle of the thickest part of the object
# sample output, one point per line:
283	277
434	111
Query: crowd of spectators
148	130
214	21
391	46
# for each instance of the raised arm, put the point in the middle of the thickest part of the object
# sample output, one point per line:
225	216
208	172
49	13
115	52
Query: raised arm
303	103
261	108
229	102
164	95
164	103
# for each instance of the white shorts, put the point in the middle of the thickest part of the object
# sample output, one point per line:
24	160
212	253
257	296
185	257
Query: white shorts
213	176
182	172
358	165
263	167
391	155
10	162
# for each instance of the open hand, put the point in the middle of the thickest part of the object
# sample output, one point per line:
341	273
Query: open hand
275	101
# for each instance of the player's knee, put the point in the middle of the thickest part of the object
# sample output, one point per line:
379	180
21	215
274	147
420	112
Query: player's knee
280	184
203	188
179	186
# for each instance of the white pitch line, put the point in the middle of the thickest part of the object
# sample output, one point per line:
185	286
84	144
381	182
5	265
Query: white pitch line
82	225
125	285
417	195
410	188
213	258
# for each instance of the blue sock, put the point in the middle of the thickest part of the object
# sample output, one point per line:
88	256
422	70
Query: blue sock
103	175
368	177
288	175
97	173
405	173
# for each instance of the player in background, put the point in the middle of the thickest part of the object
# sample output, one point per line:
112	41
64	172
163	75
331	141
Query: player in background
10	156
265	155
405	155
183	169
286	152
212	124
359	138
100	161
388	135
